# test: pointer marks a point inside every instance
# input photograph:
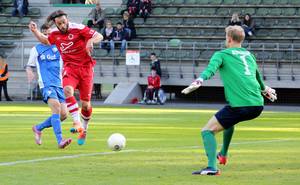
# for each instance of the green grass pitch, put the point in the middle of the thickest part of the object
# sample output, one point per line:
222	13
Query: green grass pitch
163	148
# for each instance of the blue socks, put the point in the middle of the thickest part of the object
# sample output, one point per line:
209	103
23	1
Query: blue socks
45	124
55	122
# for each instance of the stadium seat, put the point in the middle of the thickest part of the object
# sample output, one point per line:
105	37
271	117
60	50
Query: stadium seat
6	1
5	30
262	11
176	21
162	21
209	11
262	55
181	54
34	12
250	11
254	2
158	11
271	22
151	21
17	31
166	2
142	31
295	2
120	10
202	2
215	2
8	10
190	21
144	54
100	53
185	11
167	54
290	33
263	33
268	2
209	32
190	2
174	43
169	32
183	32
196	32
109	11
171	11
235	10
206	55
205	21
25	20
223	11
3	20
242	2
138	21
178	2
155	31
196	11
277	55
13	20
275	11
289	12
229	2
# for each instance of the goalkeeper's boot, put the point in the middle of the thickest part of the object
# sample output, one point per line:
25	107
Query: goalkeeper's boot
207	171
37	135
76	127
222	159
81	136
64	143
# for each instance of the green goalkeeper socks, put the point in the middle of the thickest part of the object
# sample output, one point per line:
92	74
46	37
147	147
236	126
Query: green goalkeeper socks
210	146
227	135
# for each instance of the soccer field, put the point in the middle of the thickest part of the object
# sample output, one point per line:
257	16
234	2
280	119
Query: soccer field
163	148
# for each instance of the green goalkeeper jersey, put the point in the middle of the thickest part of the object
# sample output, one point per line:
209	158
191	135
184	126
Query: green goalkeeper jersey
240	76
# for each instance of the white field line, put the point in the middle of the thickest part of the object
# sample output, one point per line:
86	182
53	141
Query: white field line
124	151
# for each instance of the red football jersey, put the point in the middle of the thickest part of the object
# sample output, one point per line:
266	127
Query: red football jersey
72	45
154	81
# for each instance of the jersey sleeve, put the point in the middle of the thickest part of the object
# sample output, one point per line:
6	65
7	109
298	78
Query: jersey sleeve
32	57
87	32
213	66
51	39
260	80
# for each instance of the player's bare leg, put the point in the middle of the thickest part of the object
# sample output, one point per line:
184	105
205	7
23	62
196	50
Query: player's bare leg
210	145
73	108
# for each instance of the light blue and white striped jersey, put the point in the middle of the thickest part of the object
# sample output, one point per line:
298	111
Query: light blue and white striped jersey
49	64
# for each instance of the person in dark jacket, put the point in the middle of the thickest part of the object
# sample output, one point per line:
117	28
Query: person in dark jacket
20	7
129	26
133	7
235	20
248	25
145	9
155	64
119	37
107	33
3	76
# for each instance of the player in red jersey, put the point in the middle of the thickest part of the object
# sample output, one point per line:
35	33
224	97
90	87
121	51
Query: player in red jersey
75	44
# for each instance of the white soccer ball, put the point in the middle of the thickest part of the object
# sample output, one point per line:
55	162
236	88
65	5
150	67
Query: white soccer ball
116	142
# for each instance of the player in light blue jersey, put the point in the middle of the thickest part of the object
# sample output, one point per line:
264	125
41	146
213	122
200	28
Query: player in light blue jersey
48	63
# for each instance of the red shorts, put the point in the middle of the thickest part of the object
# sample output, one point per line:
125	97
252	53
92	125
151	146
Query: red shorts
81	78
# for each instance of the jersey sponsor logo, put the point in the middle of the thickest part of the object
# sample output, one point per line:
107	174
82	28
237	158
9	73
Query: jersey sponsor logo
70	36
65	46
48	57
54	50
43	57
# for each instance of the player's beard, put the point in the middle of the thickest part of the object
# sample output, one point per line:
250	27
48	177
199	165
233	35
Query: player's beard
63	31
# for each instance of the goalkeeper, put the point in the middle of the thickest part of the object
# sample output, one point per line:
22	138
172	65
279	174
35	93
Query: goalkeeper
243	88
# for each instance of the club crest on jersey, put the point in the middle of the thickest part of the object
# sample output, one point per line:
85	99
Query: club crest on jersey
65	46
70	36
54	49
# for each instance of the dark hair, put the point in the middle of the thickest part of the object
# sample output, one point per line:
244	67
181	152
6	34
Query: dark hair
53	15
45	27
119	23
152	54
153	68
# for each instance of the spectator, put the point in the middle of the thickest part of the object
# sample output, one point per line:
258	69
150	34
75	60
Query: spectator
119	35
97	17
133	7
91	1
20	7
145	9
153	86
107	33
129	26
248	25
235	20
3	77
155	64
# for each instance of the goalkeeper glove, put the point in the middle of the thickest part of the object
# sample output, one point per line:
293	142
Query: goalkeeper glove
270	93
195	85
